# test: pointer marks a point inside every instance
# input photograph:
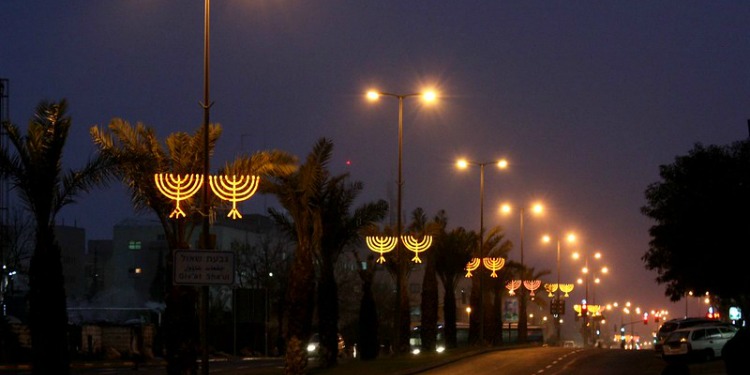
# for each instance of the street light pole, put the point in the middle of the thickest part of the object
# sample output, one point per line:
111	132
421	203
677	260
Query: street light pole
205	232
557	294
403	320
536	208
481	251
522	318
502	164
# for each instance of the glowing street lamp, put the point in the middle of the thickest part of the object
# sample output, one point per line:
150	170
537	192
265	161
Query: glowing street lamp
403	320
463	164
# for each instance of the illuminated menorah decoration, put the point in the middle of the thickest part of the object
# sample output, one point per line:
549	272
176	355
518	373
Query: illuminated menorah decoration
492	264
590	309
179	188
236	189
550	288
512	286
384	244
594	309
381	245
472	265
532	285
415	246
565	288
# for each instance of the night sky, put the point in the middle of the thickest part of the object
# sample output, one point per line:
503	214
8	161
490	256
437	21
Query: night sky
585	99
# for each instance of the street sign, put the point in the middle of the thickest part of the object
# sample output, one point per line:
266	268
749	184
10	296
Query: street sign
203	267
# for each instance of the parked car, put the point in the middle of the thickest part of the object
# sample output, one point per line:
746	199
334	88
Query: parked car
314	344
675	324
701	342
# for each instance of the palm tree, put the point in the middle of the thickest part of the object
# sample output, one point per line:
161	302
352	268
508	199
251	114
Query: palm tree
137	156
300	195
452	251
340	229
35	169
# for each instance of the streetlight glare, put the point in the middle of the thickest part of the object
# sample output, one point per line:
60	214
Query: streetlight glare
373	95
505	208
537	208
502	164
571	237
462	163
429	96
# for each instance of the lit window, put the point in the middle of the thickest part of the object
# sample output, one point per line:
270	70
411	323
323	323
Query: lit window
134	245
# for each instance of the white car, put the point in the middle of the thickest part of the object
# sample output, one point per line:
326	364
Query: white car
698	342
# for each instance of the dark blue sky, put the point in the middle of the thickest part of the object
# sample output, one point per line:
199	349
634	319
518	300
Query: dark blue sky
586	99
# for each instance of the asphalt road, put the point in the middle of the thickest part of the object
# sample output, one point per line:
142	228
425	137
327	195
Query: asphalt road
521	361
562	361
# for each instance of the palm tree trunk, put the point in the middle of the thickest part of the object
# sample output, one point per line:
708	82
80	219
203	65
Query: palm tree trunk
300	299
328	313
449	315
429	306
368	319
48	313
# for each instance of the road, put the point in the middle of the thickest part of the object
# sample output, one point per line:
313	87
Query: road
522	361
564	361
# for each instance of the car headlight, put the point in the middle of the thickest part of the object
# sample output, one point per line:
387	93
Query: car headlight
440	349
311	348
415	351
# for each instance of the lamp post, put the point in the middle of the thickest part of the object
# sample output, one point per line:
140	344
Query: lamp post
402	318
205	231
537	209
570	238
463	164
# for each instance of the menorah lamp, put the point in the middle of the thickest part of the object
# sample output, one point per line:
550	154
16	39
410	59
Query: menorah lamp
566	288
381	245
416	246
493	264
234	189
472	265
178	188
532	285
550	288
512	286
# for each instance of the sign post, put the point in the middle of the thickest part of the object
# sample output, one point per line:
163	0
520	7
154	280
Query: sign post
203	267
